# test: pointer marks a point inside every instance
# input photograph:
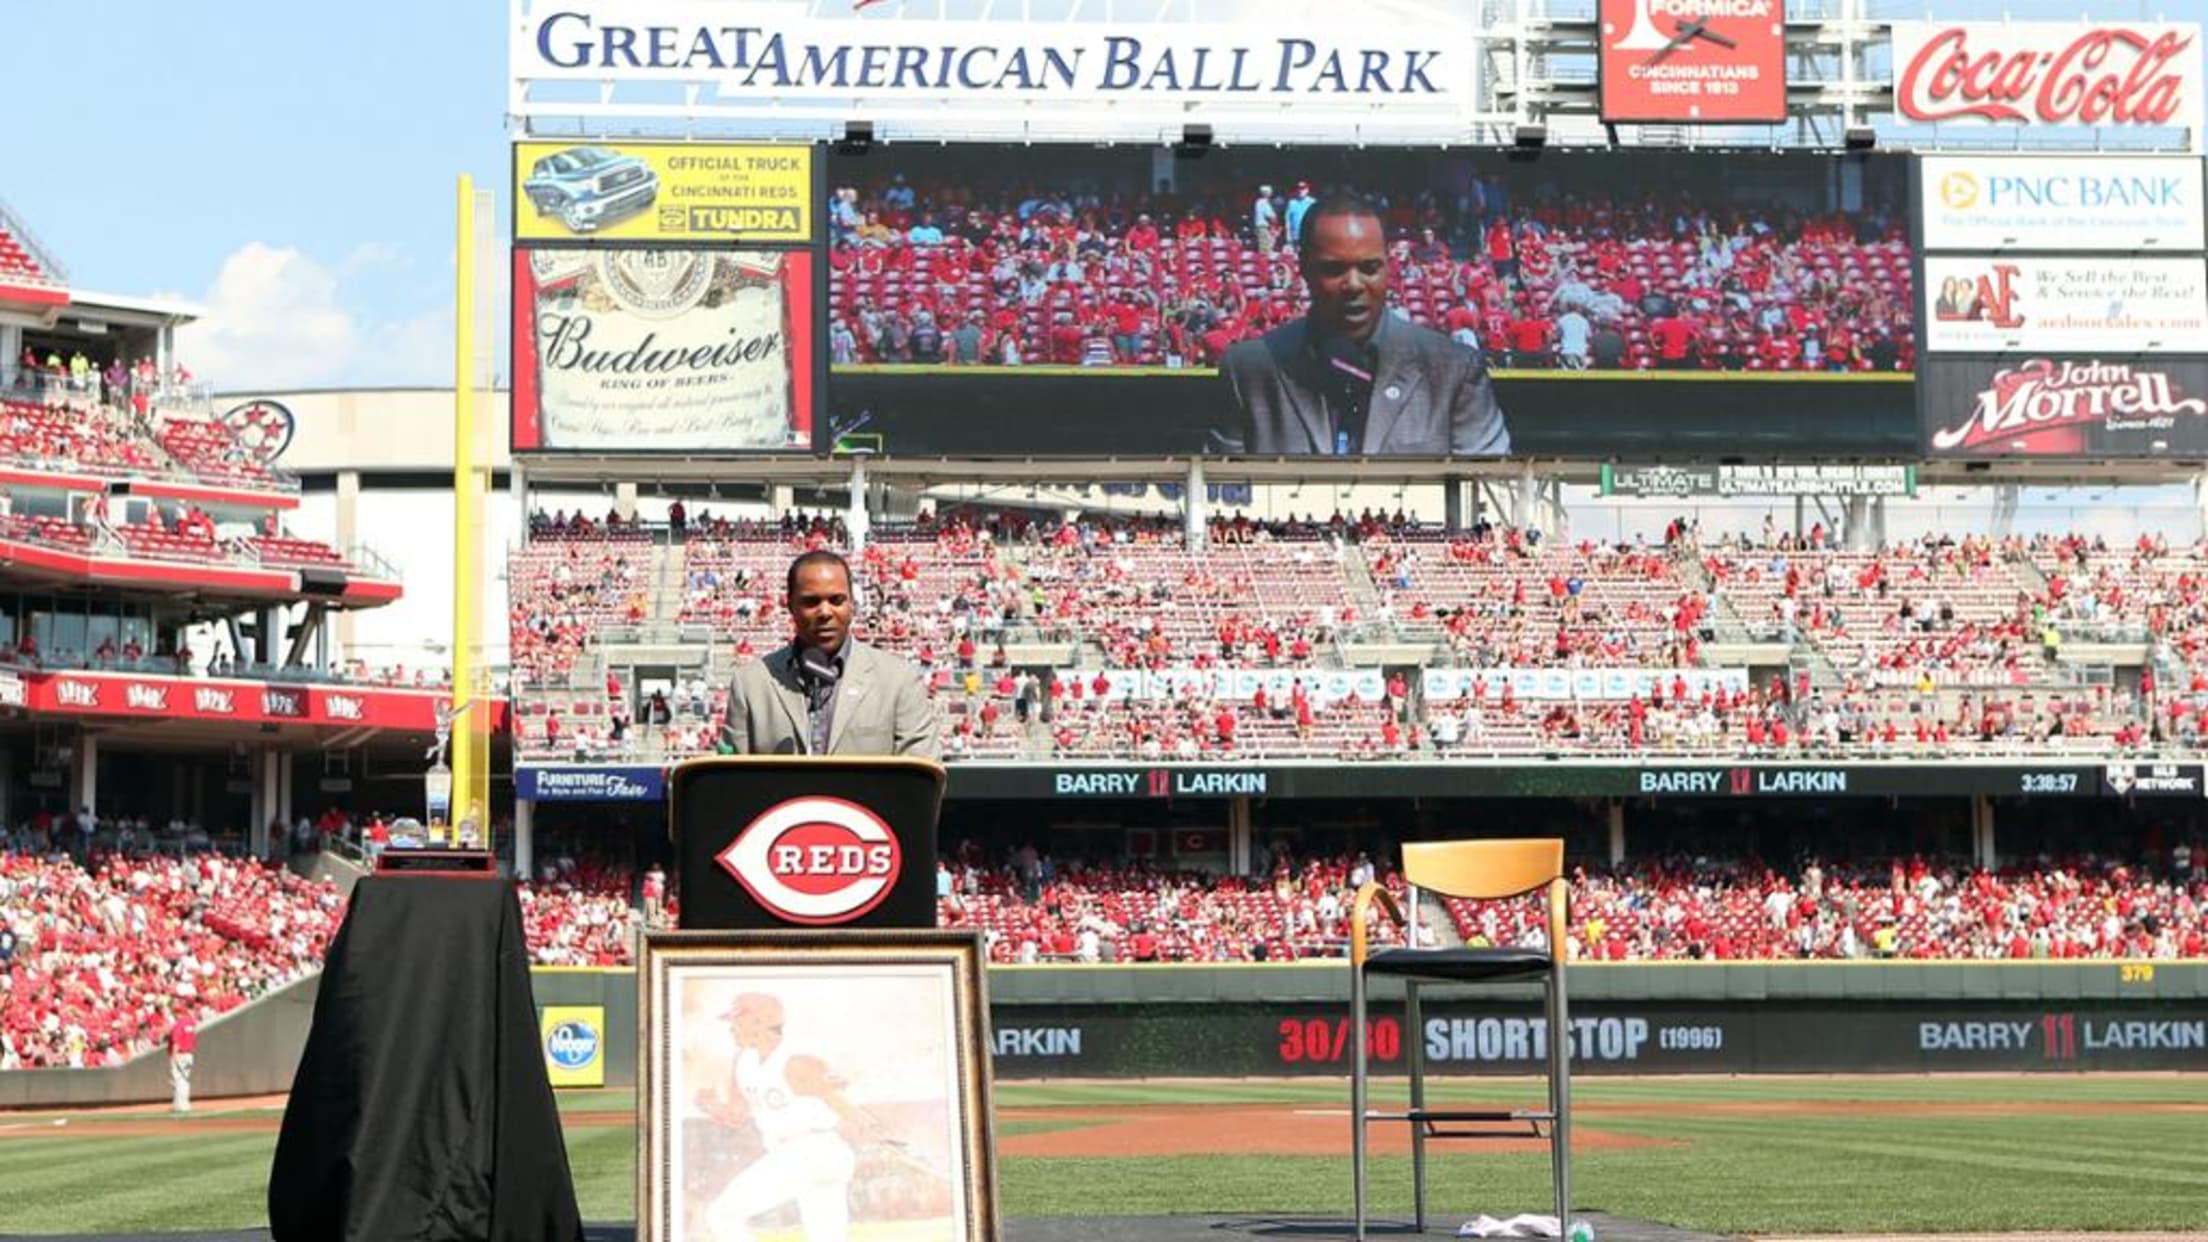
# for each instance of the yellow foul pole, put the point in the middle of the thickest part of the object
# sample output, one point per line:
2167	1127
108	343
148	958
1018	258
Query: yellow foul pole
470	757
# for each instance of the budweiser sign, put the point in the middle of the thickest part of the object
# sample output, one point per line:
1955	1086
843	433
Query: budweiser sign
674	350
2050	407
2048	73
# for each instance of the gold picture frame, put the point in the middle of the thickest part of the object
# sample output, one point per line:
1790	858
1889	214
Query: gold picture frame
815	1082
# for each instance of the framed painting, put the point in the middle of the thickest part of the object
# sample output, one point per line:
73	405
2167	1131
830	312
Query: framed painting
816	1087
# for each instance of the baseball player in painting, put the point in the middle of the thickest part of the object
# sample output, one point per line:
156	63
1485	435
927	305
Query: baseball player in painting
799	1110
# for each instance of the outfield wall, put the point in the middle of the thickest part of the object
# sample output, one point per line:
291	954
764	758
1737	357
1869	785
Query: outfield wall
249	1051
1241	1021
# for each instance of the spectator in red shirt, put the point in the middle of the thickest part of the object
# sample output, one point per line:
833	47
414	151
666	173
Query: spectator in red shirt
1530	336
183	1049
1674	341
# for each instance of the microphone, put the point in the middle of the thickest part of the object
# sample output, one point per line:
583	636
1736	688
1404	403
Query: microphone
1351	367
816	665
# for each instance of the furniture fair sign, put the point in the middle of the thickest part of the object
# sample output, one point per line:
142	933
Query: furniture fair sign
759	56
2116	74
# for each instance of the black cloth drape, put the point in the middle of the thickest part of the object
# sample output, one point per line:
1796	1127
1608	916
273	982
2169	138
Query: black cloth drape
421	1111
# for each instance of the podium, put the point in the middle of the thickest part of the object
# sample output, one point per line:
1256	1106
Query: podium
807	936
807	896
780	842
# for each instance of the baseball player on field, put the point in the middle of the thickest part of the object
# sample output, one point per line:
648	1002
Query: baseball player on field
799	1109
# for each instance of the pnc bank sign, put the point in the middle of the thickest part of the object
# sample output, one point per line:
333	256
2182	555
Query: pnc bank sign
2132	203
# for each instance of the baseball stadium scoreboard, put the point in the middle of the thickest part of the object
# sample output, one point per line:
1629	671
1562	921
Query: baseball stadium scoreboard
925	227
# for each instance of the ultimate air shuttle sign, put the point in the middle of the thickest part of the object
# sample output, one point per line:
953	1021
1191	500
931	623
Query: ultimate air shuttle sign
752	56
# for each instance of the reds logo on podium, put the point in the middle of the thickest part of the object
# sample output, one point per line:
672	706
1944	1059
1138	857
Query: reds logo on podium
815	860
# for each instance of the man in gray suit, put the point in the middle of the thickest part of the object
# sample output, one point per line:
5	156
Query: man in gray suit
827	693
1349	377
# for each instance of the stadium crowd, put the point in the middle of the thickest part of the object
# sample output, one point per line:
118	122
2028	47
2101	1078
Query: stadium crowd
102	951
1930	646
74	421
1032	907
103	947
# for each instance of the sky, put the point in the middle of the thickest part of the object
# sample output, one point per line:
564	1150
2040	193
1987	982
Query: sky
290	166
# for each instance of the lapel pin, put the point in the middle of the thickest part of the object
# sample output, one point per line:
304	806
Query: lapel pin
1393	391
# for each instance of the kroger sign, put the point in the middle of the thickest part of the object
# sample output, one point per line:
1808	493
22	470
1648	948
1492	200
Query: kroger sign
2133	203
572	1045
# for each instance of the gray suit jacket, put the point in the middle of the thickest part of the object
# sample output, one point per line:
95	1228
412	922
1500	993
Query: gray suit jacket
1430	397
882	708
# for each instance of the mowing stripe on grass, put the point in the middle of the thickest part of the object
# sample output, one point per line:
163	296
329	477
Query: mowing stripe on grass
2174	1146
135	1184
2083	1170
1853	1142
604	1163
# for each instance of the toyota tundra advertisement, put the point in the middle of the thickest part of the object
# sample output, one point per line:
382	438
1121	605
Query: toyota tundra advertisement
2064	406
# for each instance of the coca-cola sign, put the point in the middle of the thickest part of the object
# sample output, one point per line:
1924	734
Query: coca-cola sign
2134	74
2064	407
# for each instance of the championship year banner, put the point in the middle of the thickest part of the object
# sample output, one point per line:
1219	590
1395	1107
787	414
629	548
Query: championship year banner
2135	203
85	693
677	350
2063	405
663	192
2069	305
1693	61
1607	685
1239	685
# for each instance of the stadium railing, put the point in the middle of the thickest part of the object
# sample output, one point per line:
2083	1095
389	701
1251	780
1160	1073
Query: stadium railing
51	272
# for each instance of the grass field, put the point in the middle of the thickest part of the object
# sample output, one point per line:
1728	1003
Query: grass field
2076	1155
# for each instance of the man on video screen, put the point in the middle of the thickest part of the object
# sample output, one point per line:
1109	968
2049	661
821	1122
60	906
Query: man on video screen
1350	377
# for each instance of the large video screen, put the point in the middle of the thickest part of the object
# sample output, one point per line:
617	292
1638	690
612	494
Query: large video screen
1330	302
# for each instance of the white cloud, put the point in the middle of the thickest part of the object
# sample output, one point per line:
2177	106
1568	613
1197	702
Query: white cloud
368	256
278	318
